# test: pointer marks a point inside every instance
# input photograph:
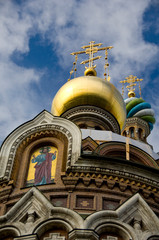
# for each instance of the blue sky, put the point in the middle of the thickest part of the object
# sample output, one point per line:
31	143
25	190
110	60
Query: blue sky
37	37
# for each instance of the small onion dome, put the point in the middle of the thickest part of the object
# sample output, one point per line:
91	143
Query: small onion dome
137	107
92	91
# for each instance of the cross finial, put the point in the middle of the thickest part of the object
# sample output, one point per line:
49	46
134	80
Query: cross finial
91	49
131	80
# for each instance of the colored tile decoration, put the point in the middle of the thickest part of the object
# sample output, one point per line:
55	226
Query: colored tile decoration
42	166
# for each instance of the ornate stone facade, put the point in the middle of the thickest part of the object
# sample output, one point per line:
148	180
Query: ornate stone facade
96	194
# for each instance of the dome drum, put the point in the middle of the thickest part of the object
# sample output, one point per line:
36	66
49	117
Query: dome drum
93	118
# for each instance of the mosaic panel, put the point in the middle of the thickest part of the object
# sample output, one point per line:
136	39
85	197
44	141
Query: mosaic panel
42	166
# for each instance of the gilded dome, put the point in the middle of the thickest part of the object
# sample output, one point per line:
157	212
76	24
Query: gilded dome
92	91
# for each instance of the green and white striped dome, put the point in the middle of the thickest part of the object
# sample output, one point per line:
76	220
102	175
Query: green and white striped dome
137	107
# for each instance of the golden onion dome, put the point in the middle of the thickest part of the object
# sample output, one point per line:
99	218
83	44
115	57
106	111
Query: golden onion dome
92	91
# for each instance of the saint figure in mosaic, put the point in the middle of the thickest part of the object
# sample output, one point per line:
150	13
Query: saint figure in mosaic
43	165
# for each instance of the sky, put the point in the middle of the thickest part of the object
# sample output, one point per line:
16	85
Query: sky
37	37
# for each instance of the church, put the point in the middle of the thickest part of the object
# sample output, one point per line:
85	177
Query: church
84	170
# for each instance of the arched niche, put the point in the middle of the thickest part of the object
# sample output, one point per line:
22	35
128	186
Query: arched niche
53	227
8	233
62	222
124	133
42	126
113	231
131	131
23	159
140	133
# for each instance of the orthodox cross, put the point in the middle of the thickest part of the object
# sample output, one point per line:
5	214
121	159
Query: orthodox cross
91	49
131	80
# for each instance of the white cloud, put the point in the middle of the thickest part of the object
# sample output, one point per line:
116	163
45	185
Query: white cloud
17	101
67	25
13	29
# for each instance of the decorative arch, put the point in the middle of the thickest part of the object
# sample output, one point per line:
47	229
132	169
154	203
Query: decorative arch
125	221
9	232
118	150
108	223
24	153
154	237
113	229
34	214
131	132
65	219
58	226
46	125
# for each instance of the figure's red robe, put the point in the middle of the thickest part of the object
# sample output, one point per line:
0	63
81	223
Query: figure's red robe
43	170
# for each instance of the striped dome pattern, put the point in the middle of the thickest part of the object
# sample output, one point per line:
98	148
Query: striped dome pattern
137	107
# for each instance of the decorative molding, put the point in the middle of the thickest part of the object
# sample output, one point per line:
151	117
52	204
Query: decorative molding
33	129
115	149
83	234
135	120
34	211
29	237
78	228
113	178
86	171
110	238
106	117
125	214
54	236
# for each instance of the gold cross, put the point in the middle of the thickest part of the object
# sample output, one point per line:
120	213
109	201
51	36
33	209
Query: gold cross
131	81
91	49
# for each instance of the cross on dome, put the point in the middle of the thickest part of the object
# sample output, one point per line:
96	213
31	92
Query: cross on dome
131	80
90	50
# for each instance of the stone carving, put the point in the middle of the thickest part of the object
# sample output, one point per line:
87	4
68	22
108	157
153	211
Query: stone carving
54	236
44	124
110	238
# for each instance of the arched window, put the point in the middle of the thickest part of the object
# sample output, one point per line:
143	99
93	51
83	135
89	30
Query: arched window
112	232
140	133
124	134
132	132
53	230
